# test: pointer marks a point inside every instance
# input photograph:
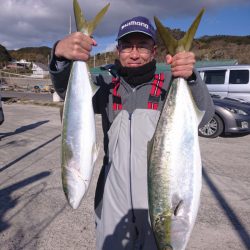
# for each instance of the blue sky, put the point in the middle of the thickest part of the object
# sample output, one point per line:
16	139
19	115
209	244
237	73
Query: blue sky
229	20
42	22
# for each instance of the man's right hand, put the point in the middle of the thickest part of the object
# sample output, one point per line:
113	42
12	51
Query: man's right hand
75	46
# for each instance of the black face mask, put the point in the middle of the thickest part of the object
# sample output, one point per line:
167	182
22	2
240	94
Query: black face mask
138	75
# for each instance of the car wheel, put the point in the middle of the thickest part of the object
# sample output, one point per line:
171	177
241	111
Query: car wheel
213	128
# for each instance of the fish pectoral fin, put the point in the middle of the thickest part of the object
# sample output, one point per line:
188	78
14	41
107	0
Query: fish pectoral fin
177	204
178	208
200	115
94	88
82	24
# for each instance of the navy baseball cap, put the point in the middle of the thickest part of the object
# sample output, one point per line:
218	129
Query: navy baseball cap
137	24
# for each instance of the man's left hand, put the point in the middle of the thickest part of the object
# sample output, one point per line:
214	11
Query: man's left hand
182	64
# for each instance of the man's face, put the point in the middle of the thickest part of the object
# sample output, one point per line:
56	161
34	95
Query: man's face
136	49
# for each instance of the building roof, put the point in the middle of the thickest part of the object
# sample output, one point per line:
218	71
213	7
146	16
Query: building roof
42	66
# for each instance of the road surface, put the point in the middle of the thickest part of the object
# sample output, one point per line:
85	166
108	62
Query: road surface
34	213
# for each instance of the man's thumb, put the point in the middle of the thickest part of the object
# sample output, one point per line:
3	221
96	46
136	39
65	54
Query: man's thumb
168	59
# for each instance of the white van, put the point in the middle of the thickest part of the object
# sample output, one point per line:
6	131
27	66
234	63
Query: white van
228	81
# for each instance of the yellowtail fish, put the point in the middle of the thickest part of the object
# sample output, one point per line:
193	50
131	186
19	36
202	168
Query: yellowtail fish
79	150
174	163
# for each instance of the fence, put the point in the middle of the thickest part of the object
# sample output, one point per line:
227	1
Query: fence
12	81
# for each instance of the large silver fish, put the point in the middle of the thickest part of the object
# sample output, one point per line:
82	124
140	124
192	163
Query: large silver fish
174	164
79	150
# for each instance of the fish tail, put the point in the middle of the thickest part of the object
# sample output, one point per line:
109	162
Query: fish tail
183	44
82	24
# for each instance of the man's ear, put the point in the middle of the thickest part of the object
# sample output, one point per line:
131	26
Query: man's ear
154	51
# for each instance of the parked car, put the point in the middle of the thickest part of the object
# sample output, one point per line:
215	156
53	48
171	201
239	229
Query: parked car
228	81
232	116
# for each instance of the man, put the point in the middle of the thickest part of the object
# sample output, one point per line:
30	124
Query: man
130	105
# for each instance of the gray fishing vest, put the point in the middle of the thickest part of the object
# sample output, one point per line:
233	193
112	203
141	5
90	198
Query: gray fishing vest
123	222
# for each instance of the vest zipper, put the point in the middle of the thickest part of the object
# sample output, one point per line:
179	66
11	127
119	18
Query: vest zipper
130	166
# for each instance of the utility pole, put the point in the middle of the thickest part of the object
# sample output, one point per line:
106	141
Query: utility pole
105	55
69	24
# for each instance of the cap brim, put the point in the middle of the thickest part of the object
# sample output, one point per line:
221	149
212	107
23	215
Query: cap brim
135	31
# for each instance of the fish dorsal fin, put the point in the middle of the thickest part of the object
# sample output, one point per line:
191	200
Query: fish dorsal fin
82	24
183	44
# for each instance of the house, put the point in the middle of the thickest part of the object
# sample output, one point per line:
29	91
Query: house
39	70
22	64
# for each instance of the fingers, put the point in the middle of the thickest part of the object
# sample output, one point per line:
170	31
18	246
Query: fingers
182	64
75	46
169	59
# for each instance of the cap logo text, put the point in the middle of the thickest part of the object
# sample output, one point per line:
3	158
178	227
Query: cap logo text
134	23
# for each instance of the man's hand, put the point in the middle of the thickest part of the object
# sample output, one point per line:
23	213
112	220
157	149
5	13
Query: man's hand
182	64
75	46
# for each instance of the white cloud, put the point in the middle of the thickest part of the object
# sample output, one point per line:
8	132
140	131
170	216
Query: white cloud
41	22
111	47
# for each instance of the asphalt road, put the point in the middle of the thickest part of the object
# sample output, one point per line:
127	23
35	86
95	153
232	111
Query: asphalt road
44	96
34	213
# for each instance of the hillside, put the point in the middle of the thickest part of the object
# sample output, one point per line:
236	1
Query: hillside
220	47
206	48
223	47
33	54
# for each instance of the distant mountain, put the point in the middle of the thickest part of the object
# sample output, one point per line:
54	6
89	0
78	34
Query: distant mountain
219	47
33	54
223	47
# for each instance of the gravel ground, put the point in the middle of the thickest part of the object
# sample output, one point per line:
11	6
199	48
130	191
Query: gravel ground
34	213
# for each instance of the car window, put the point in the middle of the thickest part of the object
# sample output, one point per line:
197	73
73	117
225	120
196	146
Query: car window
239	77
214	76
